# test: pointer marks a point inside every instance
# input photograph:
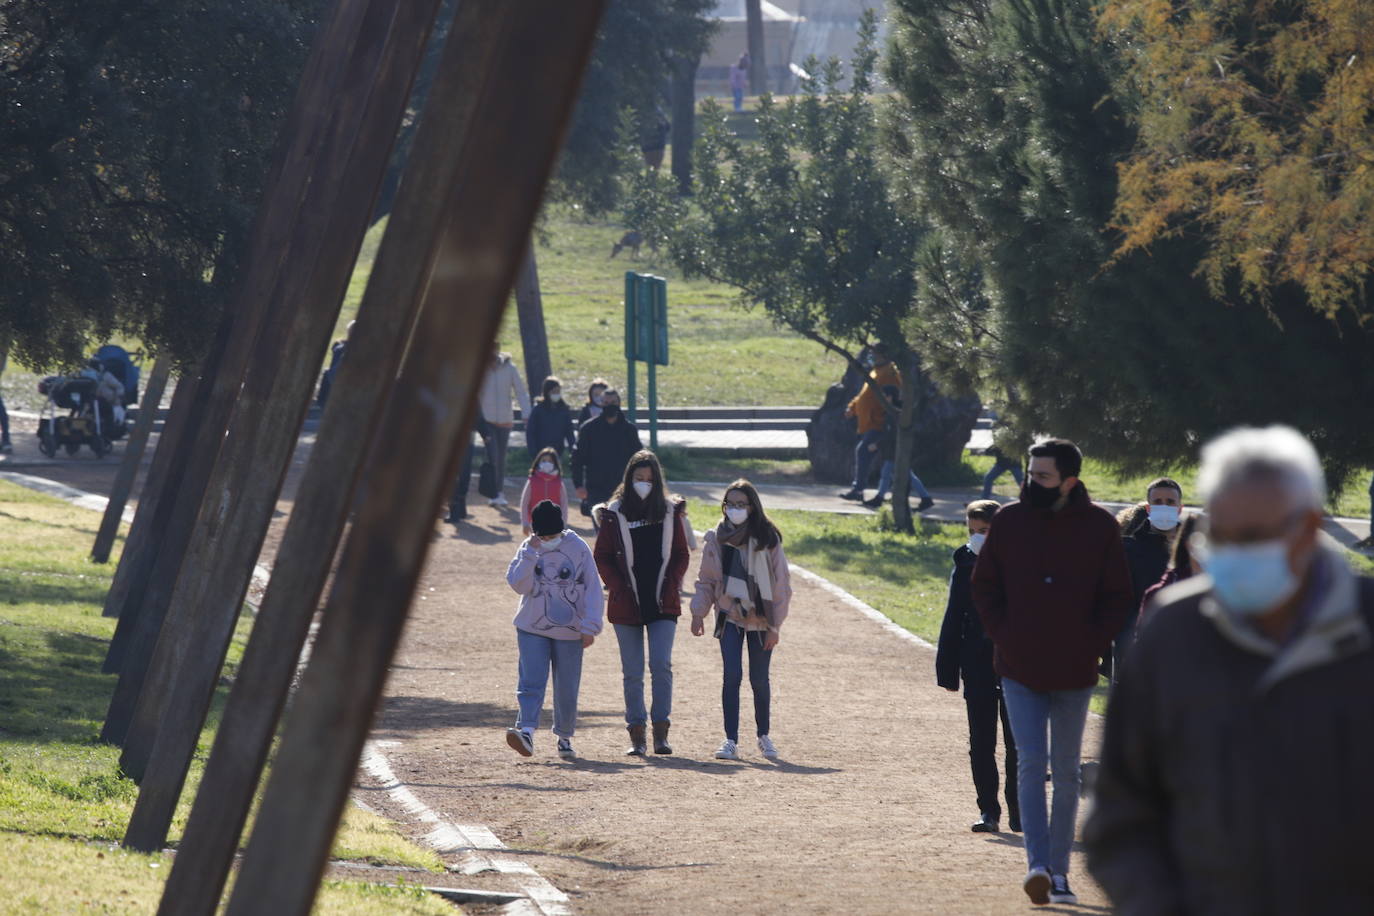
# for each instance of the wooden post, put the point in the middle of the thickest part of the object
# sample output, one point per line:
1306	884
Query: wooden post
385	320
542	51
753	25
312	117
252	463
534	336
133	457
684	101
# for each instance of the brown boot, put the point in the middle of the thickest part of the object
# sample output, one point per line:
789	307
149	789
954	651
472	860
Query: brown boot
661	738
636	748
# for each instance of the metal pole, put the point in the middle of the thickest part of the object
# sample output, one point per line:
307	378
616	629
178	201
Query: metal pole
631	342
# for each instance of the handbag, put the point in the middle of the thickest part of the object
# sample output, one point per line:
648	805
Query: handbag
486	480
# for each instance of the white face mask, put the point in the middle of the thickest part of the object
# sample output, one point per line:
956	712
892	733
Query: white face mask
555	396
643	488
1165	518
546	467
736	516
975	542
551	543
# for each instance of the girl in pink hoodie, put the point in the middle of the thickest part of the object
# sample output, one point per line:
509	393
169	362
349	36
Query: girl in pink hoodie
545	482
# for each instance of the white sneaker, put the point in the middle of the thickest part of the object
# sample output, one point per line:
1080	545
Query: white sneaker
1037	886
500	500
565	749
728	750
766	747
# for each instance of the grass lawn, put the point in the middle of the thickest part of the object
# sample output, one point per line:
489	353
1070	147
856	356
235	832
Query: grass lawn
63	800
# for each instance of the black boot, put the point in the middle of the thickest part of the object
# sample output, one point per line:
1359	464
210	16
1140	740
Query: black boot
661	738
637	747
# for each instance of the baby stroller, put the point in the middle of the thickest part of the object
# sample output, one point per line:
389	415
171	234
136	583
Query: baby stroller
92	405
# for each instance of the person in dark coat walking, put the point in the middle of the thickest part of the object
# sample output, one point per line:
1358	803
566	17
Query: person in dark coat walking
964	652
604	445
1147	534
1239	744
1052	589
550	424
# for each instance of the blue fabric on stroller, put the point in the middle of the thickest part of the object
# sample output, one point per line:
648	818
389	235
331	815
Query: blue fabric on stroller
118	364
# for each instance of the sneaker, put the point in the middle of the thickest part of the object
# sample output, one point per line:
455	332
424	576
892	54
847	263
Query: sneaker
1364	544
1037	886
520	741
5	446
565	749
925	504
986	823
852	495
728	750
766	747
1014	823
875	502
500	500
1059	890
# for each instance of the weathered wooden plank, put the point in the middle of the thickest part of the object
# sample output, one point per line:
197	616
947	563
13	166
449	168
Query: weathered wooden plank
543	48
243	490
377	344
133	457
313	111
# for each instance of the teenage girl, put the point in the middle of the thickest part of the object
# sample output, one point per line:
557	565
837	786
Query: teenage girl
744	577
545	482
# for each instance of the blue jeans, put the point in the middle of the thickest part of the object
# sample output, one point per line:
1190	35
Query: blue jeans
999	467
537	655
739	98
885	481
863	458
631	638
732	642
1063	713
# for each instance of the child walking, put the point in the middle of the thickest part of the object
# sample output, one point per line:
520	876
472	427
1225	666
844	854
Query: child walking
559	615
744	576
641	553
545	482
965	652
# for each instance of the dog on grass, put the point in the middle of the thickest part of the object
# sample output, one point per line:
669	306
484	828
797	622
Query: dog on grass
632	240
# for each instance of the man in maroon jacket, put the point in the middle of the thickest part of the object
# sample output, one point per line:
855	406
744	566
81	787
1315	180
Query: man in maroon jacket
1052	588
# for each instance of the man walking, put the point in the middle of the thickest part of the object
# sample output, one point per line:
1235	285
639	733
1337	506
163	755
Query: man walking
869	408
501	382
1148	536
1239	746
604	446
1052	588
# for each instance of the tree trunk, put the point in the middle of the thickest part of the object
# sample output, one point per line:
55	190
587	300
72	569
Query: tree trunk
758	71
684	119
534	338
901	459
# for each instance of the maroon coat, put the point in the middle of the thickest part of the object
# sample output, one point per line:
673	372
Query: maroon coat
1053	590
612	554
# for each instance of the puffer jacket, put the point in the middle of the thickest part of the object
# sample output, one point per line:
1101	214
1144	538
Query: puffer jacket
867	406
964	650
1236	774
614	554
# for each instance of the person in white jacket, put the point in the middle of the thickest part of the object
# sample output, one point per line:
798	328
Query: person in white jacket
560	614
501	383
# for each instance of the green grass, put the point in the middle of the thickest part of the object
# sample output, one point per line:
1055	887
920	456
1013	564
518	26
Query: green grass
61	790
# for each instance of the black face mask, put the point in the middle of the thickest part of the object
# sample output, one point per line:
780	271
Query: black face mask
611	411
1041	496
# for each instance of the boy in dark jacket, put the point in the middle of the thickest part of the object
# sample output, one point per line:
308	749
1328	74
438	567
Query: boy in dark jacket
604	445
965	651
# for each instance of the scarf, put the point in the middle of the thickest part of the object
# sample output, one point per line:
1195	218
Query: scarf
749	578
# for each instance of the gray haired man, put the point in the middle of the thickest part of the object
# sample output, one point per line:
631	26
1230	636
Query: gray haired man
1239	749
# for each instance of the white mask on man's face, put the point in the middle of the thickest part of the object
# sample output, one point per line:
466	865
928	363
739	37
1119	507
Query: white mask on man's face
1165	518
555	397
643	488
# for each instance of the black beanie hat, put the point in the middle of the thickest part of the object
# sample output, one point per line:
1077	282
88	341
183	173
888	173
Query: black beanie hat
546	518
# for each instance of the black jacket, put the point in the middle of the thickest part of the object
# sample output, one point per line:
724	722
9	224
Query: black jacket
1236	775
603	449
964	650
549	426
1147	554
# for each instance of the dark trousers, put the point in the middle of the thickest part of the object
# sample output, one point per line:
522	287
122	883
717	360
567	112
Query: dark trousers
863	457
5	424
458	498
984	710
732	642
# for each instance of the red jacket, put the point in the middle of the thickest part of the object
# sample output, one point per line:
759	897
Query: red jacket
614	559
1053	590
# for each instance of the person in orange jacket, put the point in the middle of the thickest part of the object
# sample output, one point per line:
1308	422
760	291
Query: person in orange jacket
869	409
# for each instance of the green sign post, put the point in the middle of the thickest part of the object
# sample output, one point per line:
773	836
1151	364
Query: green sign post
646	339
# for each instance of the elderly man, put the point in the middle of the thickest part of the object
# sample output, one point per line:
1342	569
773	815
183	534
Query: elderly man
1238	762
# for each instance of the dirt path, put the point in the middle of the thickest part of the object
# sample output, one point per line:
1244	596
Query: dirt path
868	811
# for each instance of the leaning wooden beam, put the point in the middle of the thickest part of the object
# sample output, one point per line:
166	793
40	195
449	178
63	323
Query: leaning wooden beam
253	463
376	346
542	51
316	107
133	458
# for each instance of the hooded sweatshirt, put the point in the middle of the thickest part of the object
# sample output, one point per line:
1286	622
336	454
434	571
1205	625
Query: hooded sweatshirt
498	385
560	595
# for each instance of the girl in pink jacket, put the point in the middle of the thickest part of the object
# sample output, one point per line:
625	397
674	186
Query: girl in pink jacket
545	482
744	576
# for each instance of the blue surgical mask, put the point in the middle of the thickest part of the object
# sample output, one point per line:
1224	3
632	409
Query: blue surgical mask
1250	579
975	542
1165	518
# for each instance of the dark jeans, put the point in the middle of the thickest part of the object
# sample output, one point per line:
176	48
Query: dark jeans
495	440
458	498
1000	467
732	642
984	711
5	424
863	457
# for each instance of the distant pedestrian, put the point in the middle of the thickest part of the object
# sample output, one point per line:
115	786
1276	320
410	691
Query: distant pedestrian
596	392
653	141
1239	744
964	653
869	408
501	383
458	496
1183	564
550	423
887	448
337	351
1052	588
545	482
5	446
560	615
641	553
1008	446
1147	534
604	445
744	576
739	80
